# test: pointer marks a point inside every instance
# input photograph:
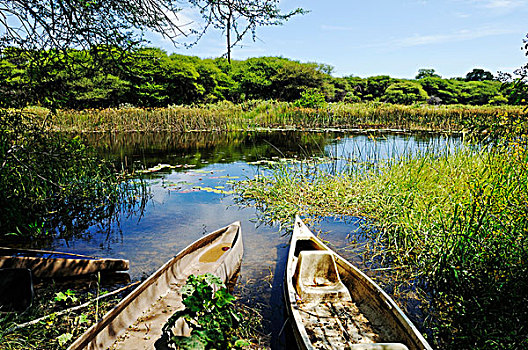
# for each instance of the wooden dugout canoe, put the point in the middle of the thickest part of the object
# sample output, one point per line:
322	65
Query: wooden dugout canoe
46	264
333	305
136	321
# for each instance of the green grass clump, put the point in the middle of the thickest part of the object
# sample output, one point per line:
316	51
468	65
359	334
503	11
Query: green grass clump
455	220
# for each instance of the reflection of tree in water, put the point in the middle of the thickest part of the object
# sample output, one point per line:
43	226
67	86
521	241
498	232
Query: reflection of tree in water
199	148
54	186
129	200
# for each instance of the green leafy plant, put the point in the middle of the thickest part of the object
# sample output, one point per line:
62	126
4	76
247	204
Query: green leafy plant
64	338
210	315
69	295
311	98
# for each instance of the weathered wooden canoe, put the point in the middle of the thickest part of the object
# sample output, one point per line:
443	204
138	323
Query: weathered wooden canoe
333	305
43	263
136	322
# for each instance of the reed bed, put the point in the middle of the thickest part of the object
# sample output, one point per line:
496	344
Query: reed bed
271	114
453	222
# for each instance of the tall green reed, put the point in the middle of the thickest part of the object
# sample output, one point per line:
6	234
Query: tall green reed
453	219
268	114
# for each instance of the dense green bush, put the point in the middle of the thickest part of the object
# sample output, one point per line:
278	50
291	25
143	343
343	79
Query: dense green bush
149	77
405	92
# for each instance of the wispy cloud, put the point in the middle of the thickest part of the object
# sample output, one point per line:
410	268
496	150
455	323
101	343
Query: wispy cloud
504	4
423	40
499	4
462	15
462	35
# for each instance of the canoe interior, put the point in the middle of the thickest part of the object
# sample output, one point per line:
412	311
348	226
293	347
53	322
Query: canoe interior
366	318
136	322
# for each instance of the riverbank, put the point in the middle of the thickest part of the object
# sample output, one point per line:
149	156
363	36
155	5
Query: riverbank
451	222
251	115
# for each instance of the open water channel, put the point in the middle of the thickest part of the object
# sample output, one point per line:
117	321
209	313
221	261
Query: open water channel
194	196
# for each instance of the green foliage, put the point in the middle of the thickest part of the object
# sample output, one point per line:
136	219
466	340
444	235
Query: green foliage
426	73
50	181
405	92
516	87
445	89
375	87
478	74
69	295
209	313
455	220
148	77
56	331
479	92
311	99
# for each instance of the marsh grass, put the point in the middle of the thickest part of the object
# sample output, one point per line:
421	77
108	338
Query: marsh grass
452	224
272	114
54	332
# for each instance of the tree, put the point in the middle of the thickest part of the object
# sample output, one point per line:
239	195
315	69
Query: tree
405	92
240	17
478	74
61	24
441	90
517	87
426	73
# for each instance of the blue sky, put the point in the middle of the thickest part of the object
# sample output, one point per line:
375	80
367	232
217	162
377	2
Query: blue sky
397	37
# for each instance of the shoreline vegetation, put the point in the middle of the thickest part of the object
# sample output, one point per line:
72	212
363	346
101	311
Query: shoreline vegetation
450	224
263	114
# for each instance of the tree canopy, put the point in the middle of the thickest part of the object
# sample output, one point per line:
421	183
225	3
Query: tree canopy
426	73
153	78
478	74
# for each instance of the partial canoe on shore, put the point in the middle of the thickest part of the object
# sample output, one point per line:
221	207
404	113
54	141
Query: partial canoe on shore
136	322
333	305
48	264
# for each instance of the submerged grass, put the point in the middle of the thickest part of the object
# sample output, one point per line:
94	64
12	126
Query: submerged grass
457	221
271	114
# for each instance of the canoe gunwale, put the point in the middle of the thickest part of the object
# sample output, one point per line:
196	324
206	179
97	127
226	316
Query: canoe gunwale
301	232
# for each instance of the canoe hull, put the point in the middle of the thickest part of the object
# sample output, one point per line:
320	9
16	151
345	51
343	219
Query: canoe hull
43	265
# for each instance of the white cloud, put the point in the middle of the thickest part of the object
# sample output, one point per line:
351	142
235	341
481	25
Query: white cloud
503	4
423	40
499	4
462	35
462	15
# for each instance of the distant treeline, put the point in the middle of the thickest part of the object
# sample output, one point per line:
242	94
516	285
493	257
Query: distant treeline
151	78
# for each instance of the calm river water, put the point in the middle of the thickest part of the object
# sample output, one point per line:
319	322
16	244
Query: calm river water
195	197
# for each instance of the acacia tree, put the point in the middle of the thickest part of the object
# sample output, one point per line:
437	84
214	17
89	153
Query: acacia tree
239	17
61	24
426	73
479	74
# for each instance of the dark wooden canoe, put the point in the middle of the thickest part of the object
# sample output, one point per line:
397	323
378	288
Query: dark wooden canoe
136	322
45	264
333	305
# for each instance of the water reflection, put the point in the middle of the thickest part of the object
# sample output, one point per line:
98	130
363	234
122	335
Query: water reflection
194	198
